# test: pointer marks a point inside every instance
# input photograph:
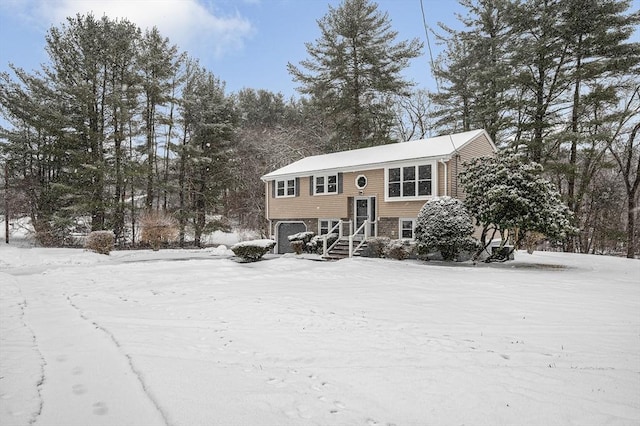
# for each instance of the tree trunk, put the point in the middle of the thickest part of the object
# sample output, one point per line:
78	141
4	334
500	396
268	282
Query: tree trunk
631	226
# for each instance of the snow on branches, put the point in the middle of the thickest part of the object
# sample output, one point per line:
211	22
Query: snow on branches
444	225
508	197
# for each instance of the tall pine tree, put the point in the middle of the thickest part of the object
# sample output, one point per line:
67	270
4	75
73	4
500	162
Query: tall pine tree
352	70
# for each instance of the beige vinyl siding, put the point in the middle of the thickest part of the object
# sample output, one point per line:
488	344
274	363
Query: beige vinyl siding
336	205
478	147
306	205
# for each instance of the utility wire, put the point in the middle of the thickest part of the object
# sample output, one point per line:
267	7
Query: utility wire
426	32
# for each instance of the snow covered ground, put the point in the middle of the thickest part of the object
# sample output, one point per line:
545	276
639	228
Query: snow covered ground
194	338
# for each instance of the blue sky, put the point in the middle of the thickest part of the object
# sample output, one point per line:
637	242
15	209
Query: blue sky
246	43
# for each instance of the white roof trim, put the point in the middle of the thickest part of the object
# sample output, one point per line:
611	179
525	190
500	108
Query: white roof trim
440	147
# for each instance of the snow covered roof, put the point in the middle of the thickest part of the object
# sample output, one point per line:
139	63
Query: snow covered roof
376	156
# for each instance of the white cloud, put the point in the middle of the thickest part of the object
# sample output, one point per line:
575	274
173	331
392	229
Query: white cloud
187	23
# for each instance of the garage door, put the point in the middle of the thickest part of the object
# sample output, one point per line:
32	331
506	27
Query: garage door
284	229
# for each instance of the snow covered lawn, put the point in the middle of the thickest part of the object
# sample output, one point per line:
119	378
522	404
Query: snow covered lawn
194	338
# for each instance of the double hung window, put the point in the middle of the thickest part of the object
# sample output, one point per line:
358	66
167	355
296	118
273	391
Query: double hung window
326	184
407	227
326	225
410	181
286	188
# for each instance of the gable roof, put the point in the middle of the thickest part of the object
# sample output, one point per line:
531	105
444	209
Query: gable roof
376	156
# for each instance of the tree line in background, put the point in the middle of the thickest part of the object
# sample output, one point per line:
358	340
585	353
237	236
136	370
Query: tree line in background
119	122
562	78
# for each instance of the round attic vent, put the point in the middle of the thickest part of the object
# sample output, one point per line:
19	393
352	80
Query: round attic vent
361	182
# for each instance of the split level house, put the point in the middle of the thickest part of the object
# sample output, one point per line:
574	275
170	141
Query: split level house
376	191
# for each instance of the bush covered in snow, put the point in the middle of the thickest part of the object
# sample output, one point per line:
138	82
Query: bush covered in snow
253	250
300	241
316	244
309	242
383	247
445	226
376	247
101	242
397	249
509	198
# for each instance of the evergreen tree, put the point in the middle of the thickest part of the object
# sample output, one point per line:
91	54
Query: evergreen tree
352	70
597	34
453	102
540	62
38	150
475	70
123	103
78	72
158	62
508	196
212	121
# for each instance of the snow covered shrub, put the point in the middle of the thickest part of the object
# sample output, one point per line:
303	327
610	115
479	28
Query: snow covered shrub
376	247
101	242
444	225
397	249
157	228
253	250
316	244
303	241
509	198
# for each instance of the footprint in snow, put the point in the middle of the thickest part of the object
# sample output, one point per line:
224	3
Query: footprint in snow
301	412
100	408
279	383
79	389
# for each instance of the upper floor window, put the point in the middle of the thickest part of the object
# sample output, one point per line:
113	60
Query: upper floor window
286	188
325	184
409	181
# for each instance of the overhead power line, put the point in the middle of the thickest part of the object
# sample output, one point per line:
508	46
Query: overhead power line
426	32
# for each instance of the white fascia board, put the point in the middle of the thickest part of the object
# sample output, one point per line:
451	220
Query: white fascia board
363	167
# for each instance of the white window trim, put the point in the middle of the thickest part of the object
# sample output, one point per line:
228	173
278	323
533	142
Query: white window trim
330	220
286	187
434	181
413	227
326	184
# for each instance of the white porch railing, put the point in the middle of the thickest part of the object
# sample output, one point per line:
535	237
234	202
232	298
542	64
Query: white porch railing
365	228
338	225
367	233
